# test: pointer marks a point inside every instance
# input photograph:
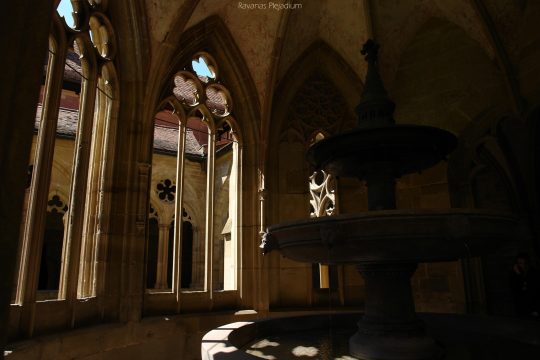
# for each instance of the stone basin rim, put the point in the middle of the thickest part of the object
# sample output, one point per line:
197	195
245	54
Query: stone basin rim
399	214
378	237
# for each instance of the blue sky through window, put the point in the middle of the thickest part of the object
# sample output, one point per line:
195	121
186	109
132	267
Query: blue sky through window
65	9
201	68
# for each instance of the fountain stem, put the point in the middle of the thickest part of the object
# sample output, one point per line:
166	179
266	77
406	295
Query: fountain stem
390	329
389	296
381	188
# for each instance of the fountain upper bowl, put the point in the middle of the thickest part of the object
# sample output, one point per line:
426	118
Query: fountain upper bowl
403	149
391	236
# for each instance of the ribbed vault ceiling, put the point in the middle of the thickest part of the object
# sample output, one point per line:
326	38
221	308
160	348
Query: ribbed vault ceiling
271	41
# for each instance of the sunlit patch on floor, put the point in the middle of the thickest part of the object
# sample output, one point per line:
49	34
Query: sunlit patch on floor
305	351
264	343
260	354
313	344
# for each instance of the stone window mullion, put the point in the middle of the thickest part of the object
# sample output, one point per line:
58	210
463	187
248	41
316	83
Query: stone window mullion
209	234
72	241
178	220
104	193
234	210
93	204
35	221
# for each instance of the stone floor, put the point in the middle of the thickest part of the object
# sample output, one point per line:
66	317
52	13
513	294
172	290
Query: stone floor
461	337
330	344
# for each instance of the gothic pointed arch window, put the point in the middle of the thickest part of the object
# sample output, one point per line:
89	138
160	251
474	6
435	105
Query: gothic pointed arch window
323	202
71	155
197	146
317	109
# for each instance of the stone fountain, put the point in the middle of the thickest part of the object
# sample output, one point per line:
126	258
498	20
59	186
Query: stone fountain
384	243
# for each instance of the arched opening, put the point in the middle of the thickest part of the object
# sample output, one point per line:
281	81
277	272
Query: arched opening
187	255
51	255
309	105
206	77
163	195
152	252
170	260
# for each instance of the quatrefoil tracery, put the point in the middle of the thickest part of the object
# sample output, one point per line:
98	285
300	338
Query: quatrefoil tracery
200	87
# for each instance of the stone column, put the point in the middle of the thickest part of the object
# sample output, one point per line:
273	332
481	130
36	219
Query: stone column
24	31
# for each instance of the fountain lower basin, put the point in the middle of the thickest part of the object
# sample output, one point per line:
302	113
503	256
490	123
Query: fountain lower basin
391	236
324	336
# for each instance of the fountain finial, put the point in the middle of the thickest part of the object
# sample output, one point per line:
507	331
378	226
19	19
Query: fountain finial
371	51
375	109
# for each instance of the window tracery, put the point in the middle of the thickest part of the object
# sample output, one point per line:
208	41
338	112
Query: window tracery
166	190
196	121
56	205
185	215
153	214
317	105
322	189
204	67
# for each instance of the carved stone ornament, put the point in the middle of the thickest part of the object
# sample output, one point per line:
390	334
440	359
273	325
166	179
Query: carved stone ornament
166	190
268	243
56	205
323	194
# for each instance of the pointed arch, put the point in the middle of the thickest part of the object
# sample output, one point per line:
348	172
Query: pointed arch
330	65
212	35
319	80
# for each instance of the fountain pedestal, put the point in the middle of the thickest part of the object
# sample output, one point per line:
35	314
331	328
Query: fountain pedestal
390	328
